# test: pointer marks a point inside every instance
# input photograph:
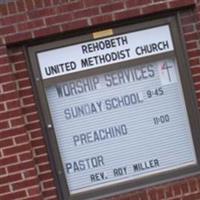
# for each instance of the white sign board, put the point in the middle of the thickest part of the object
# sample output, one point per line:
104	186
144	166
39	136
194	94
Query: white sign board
120	125
97	53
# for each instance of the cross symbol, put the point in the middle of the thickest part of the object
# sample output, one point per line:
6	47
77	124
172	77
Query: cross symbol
167	67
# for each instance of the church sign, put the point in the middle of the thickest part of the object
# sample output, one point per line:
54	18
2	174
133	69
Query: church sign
119	110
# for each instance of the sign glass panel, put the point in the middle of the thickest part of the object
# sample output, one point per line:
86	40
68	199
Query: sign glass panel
121	125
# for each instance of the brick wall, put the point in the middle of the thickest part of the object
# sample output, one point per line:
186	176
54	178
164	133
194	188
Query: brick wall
25	171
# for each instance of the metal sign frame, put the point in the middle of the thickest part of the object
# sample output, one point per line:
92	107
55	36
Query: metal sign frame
49	133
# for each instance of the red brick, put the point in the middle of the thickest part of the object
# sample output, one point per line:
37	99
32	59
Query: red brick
40	151
47	3
25	92
169	192
10	178
189	28
17	122
16	149
126	198
193	185
34	125
8	160
3	50
21	75
12	132
152	194
20	66
38	3
45	176
4	189
29	4
38	142
18	37
6	78
197	16
39	197
75	25
187	20
30	173
194	53
26	156
12	7
192	197
197	86
3	9
21	166
10	114
56	2
177	189
196	69
13	19
8	96
21	139
198	24
191	45
48	193
6	142
47	31
142	195
32	117
4	69
4	60
2	107
18	56
4	116
156	1
14	195
29	109
45	167
7	29
20	6
2	171
127	14
154	8
2	41
34	191
23	184
112	7
30	25
181	3
191	36
194	61
86	13
196	79
36	134
4	125
42	13
131	3
9	87
28	100
13	104
160	193
89	3
58	19
49	184
41	159
71	7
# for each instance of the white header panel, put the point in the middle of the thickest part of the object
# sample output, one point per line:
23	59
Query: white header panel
97	53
